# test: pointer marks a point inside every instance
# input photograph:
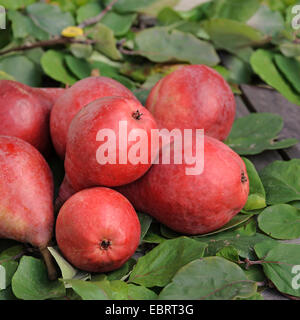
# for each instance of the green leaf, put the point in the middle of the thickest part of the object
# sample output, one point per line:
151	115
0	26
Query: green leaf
158	266
88	11
257	195
81	51
53	65
233	36
145	221
121	272
30	282
22	69
159	44
281	182
229	253
16	4
50	18
120	290
239	71
267	21
6	76
263	65
67	270
105	41
80	67
244	243
119	23
23	26
9	265
88	290
212	278
280	262
234	9
153	235
290	68
281	221
290	49
7	294
150	7
256	133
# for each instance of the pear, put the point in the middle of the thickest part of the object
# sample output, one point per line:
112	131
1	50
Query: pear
26	203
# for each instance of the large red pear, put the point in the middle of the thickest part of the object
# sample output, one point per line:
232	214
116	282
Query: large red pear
193	97
98	230
26	203
74	99
25	112
193	204
83	163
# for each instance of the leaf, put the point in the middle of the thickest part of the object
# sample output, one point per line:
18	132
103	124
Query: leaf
81	51
145	221
6	76
234	9
30	282
16	4
280	262
80	67
159	44
22	69
88	11
67	270
153	235
290	68
53	65
7	294
118	23
239	71
281	221
229	253
233	36
121	272
9	265
88	290
150	7
23	26
105	41
281	182
50	18
244	243
256	133
257	195
263	65
267	21
212	278
290	49
120	290
158	266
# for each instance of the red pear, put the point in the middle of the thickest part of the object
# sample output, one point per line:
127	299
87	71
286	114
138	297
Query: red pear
193	204
97	230
26	202
87	163
74	99
193	97
25	112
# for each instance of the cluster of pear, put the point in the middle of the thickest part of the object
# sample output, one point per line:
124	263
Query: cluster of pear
96	227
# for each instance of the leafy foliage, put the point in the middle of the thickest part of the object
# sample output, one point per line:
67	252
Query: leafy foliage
137	42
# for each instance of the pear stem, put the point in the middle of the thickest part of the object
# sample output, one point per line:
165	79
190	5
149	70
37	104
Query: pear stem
48	259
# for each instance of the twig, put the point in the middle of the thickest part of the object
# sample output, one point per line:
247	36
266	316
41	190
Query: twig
64	40
48	43
97	18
